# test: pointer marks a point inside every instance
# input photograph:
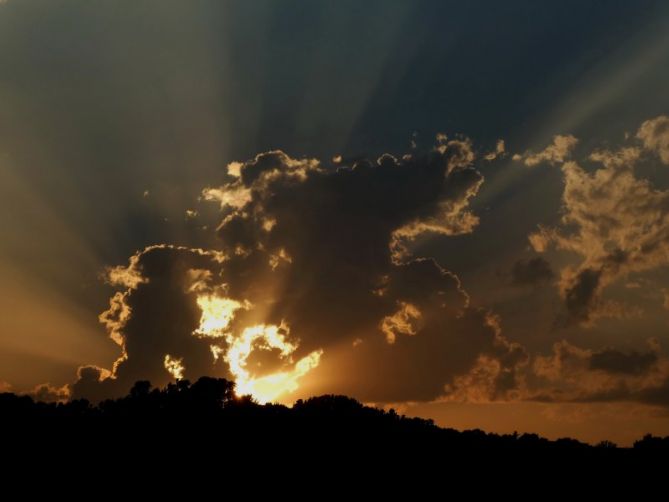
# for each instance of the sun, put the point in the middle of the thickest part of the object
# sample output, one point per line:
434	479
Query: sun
215	323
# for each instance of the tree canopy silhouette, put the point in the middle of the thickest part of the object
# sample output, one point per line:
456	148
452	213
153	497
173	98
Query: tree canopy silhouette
208	412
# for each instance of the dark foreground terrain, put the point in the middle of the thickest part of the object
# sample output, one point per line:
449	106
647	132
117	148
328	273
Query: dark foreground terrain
211	402
185	423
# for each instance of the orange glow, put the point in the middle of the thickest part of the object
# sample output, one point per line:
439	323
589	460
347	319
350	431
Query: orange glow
401	322
174	366
269	387
217	314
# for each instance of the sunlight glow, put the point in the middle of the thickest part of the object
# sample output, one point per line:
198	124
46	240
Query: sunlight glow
174	366
217	315
403	322
234	197
269	387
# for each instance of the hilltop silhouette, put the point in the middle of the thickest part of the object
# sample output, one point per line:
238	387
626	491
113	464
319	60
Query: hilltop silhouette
208	414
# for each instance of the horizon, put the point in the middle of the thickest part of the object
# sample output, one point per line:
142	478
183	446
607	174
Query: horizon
213	402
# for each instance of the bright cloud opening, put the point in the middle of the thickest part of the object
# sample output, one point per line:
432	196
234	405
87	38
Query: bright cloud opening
217	315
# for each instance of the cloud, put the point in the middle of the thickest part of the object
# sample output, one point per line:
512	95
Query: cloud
532	272
314	273
614	361
555	153
152	318
402	322
44	393
571	373
352	280
314	286
49	394
654	134
616	222
497	374
581	294
499	151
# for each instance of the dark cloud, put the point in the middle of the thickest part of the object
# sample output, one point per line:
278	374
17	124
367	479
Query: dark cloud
581	294
615	361
658	395
321	255
576	374
348	275
532	272
153	317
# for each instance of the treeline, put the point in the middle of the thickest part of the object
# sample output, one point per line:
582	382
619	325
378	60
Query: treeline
209	412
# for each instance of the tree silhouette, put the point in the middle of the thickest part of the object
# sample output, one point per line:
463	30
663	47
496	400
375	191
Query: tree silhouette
209	413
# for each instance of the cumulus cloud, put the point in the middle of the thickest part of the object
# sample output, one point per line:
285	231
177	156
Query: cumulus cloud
351	276
314	274
154	316
616	222
314	285
654	134
555	153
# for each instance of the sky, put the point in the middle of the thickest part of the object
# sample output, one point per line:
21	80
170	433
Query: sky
456	209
